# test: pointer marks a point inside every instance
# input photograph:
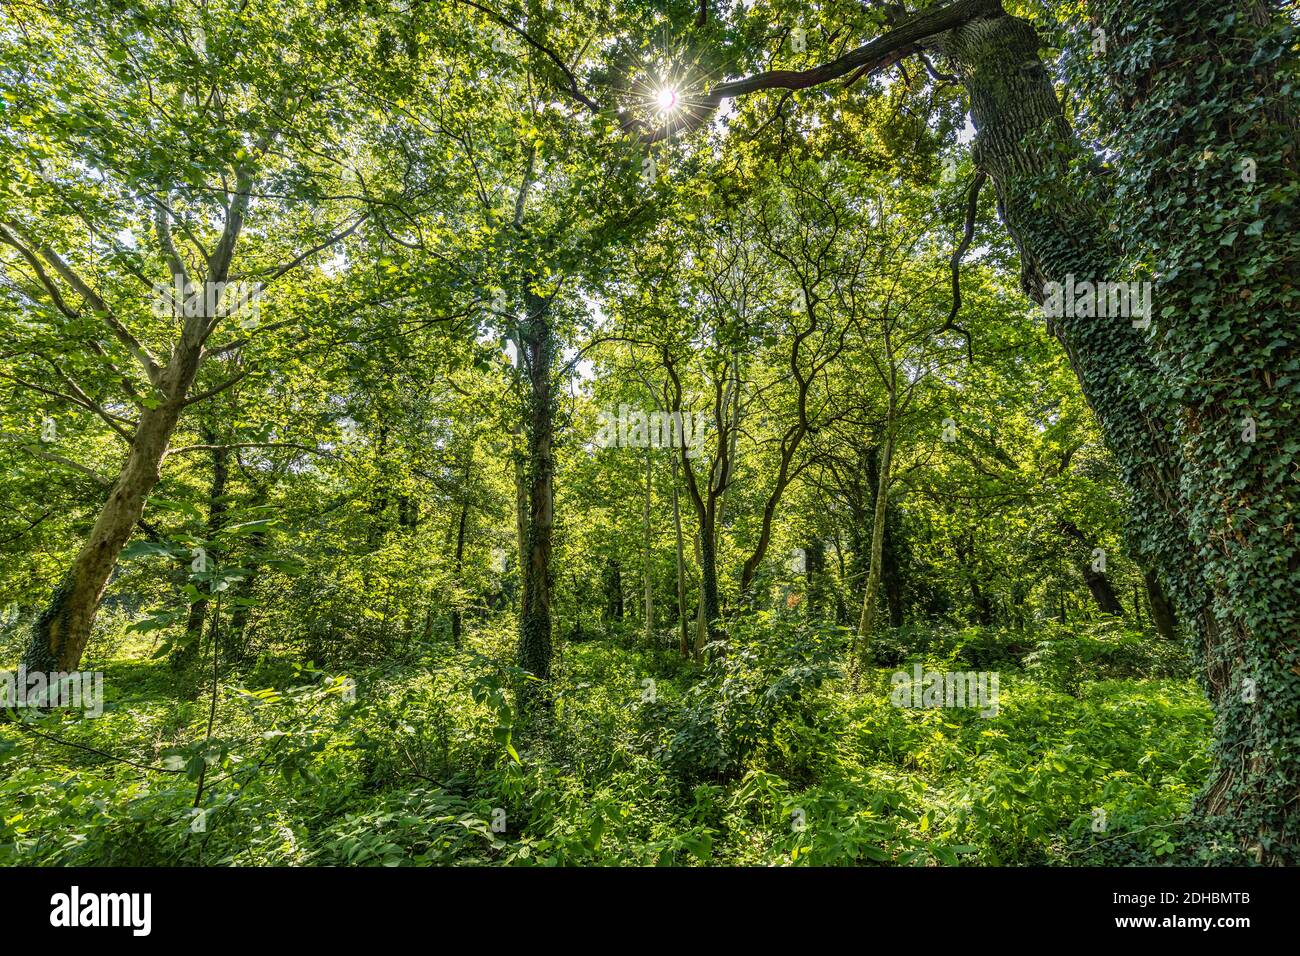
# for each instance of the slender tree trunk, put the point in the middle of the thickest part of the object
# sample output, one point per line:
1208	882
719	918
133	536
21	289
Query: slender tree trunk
682	624
645	567
708	496
866	621
60	634
613	592
1102	591
234	636
815	576
521	508
860	543
890	564
750	568
979	600
710	611
711	603
216	516
460	570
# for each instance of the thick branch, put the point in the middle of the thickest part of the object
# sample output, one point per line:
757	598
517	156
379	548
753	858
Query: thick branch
905	39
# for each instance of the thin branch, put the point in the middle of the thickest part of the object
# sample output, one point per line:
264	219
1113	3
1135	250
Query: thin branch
573	88
194	399
93	750
82	402
186	449
303	257
162	226
972	204
67	463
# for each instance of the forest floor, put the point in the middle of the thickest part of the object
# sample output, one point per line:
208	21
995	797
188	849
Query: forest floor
765	757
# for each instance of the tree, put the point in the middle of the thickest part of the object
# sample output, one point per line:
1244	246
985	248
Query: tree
114	171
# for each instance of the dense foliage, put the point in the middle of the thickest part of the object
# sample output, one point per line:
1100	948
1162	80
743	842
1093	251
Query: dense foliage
547	433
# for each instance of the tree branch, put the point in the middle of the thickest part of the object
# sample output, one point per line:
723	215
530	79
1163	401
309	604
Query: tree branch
972	204
146	358
903	40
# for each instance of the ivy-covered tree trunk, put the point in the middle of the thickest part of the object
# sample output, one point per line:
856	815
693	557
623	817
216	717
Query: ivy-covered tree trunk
1162	612
892	546
535	612
1201	411
1210	190
710	608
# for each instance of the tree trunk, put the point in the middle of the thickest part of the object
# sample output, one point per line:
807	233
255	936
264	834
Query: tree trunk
460	569
683	625
1094	577
1162	612
60	634
521	509
613	587
535	613
708	633
1102	591
709	501
964	548
815	576
645	566
890	566
862	659
186	653
983	606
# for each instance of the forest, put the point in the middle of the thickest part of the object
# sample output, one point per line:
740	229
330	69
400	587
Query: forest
691	433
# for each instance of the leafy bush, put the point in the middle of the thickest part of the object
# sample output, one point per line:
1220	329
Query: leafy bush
769	678
1068	655
974	647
